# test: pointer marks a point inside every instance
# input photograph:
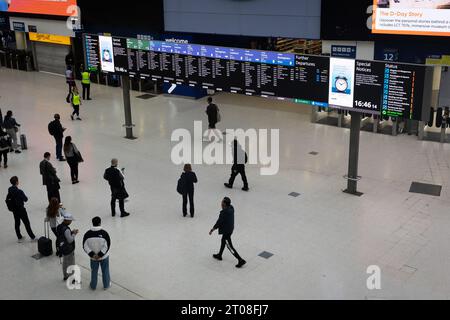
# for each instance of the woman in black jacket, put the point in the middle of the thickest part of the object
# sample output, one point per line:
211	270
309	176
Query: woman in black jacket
188	179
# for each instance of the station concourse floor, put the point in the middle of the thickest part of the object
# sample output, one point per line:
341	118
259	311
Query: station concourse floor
322	241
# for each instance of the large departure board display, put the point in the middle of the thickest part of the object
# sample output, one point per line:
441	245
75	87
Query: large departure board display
364	86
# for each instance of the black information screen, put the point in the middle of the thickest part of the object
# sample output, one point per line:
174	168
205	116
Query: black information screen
369	83
92	49
120	55
133	51
403	91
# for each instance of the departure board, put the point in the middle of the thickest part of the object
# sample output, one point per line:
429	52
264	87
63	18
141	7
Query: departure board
390	89
92	51
133	52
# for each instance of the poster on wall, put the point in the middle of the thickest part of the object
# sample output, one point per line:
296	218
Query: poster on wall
412	17
342	79
106	54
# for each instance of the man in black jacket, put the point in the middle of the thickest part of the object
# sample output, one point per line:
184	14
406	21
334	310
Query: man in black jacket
57	131
19	198
116	179
225	224
240	158
49	178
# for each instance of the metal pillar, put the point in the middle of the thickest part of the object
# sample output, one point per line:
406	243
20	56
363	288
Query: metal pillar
352	177
127	106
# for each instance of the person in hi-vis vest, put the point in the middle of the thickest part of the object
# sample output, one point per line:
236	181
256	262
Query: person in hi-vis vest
86	83
76	102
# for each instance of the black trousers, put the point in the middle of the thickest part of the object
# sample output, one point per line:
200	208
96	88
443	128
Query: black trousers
59	146
226	241
113	205
189	195
21	215
76	110
238	170
73	164
86	89
53	192
4	155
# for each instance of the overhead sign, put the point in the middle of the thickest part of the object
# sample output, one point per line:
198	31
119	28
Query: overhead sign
361	86
19	26
50	38
343	51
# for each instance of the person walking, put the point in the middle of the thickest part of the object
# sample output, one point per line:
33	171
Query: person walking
76	103
116	179
96	243
55	211
5	145
213	118
70	80
66	243
73	157
187	180
57	131
12	127
49	178
15	200
240	158
225	225
86	84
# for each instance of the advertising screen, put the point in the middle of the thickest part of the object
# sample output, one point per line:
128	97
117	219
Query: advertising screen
106	54
47	7
413	17
342	79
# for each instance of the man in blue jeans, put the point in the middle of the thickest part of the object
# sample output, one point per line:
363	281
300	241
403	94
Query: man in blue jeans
96	243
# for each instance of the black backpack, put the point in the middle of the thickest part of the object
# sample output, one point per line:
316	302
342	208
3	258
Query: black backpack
4	143
51	128
62	247
11	203
181	185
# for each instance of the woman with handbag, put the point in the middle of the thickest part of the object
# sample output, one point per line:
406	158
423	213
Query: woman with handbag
73	157
12	127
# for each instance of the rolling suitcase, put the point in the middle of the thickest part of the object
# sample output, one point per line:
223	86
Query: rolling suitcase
45	245
23	142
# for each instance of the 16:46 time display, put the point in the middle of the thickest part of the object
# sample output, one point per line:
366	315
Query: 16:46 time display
365	105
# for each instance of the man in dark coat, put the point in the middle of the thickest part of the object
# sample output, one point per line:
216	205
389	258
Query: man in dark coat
57	131
225	225
49	178
19	198
240	158
116	179
213	117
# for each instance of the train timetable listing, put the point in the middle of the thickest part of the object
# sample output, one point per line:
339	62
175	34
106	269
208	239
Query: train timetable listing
235	72
402	93
154	60
92	50
307	82
120	55
143	58
178	61
274	71
369	82
133	51
166	62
